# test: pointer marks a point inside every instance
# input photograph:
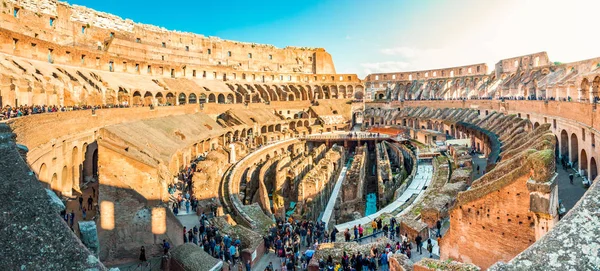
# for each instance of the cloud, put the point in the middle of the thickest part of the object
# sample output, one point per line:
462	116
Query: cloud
402	51
386	66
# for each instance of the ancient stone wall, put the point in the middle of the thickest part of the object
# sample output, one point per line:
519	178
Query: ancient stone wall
76	28
315	188
351	203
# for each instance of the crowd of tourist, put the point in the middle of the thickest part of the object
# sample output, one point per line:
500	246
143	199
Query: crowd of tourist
11	112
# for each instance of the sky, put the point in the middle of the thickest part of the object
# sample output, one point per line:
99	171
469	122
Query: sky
386	35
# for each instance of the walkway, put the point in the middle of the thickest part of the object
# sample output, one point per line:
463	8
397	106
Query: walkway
420	180
333	197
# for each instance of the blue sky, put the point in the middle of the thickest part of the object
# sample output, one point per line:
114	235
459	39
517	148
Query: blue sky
386	35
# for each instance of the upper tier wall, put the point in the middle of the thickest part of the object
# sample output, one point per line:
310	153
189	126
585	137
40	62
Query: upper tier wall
76	29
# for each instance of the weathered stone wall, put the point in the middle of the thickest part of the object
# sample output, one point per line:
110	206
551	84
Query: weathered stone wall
351	198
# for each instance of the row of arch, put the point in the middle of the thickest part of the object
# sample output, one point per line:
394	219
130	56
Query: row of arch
83	162
569	148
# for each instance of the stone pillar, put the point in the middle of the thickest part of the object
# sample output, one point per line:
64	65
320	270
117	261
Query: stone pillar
544	204
232	158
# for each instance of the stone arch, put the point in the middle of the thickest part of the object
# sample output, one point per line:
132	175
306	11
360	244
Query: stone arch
574	148
290	97
584	90
147	98
536	125
202	99
593	169
76	168
564	144
43	174
192	98
583	163
182	99
54	185
211	98
137	98
221	98
230	99
122	96
63	179
170	98
160	98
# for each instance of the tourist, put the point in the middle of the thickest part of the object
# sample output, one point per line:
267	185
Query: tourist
438	226
90	202
430	248
419	241
374	225
185	239
571	178
333	233
360	231
80	202
383	260
72	219
355	230
166	246
233	252
142	256
187	206
83	213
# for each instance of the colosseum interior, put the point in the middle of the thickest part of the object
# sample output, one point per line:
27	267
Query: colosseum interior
268	150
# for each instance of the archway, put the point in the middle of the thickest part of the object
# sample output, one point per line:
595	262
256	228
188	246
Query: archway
583	163
211	98
230	98
182	99
202	98
63	180
76	168
43	175
221	99
159	98
536	125
170	98
593	169
574	148
137	98
54	185
147	98
585	90
564	144
192	98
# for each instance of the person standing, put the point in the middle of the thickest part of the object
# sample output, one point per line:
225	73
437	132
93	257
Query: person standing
430	248
90	202
571	178
438	225
248	265
166	246
142	256
187	206
419	241
72	219
83	213
80	202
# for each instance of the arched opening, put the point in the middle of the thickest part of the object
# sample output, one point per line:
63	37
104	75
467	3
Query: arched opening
54	185
211	98
43	175
182	99
583	163
63	180
574	148
536	125
123	96
170	99
137	98
593	169
202	98
160	99
584	90
76	169
564	144
290	97
230	98
192	98
147	98
221	99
